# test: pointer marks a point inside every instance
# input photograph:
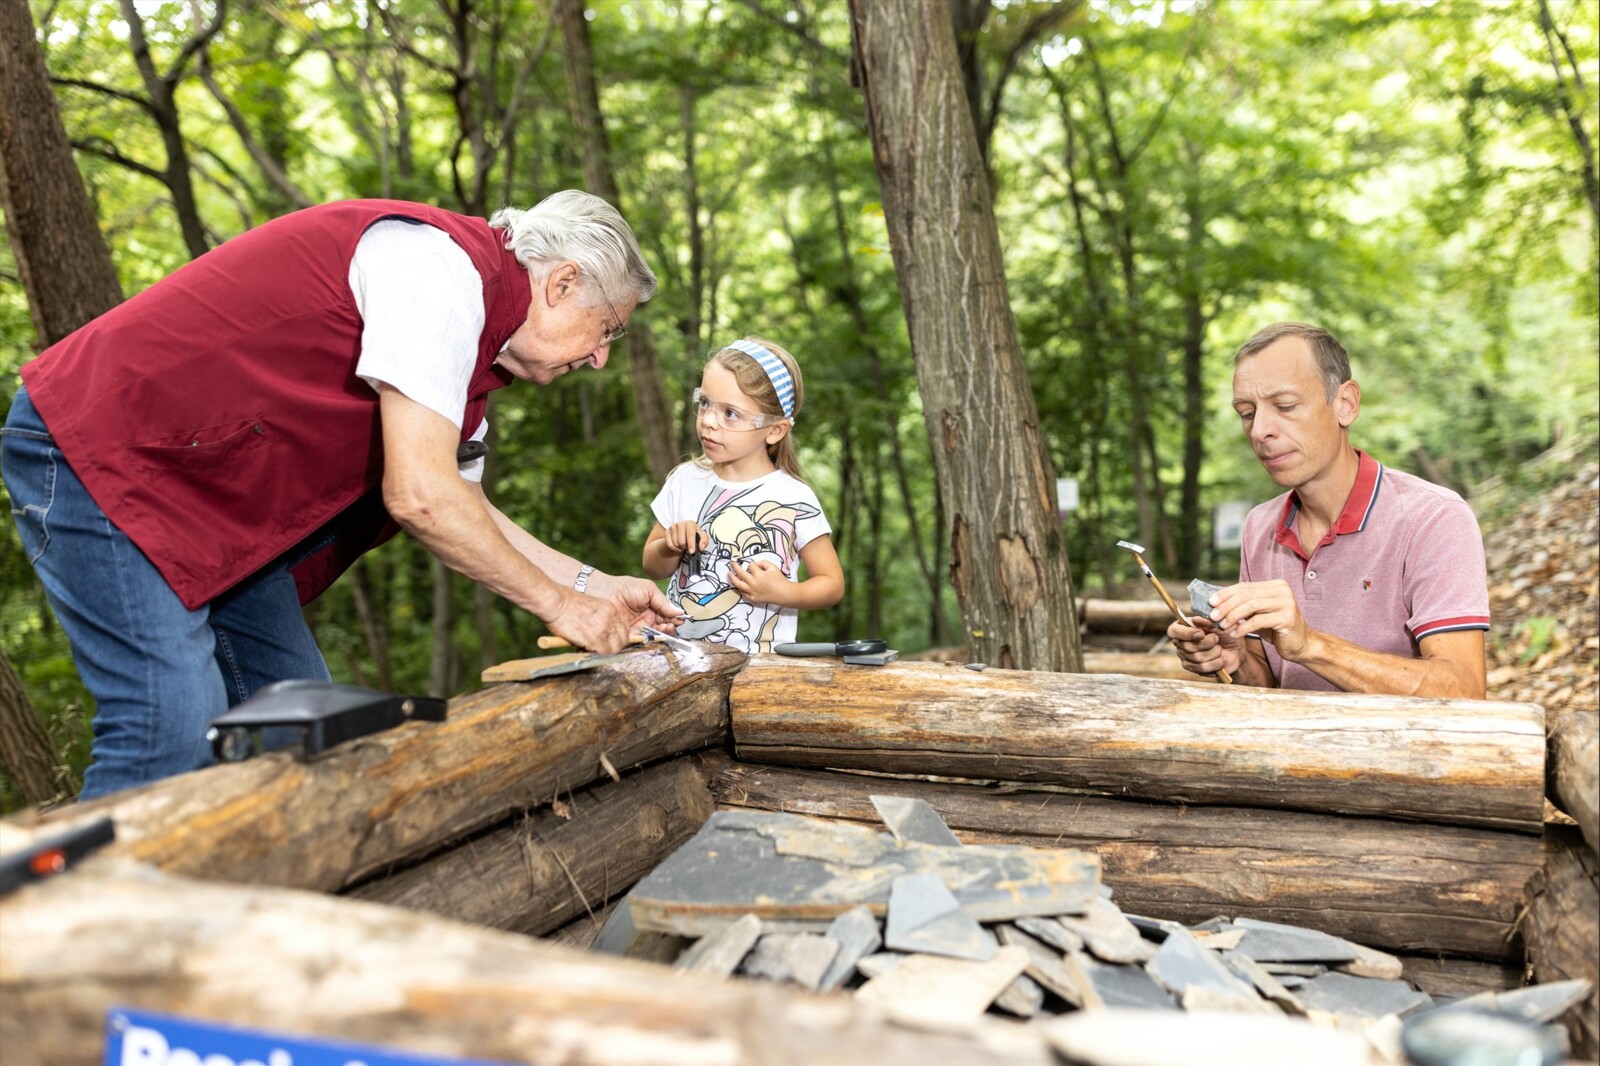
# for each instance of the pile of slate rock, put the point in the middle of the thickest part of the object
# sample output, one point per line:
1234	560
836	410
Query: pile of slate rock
1025	932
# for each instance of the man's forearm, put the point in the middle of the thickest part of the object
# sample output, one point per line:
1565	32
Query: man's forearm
559	567
1357	669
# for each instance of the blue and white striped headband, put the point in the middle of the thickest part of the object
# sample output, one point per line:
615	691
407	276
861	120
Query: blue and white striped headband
777	373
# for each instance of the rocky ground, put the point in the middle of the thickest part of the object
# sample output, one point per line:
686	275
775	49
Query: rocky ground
1544	583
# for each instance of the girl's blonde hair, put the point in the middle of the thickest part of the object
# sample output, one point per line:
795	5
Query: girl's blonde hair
754	383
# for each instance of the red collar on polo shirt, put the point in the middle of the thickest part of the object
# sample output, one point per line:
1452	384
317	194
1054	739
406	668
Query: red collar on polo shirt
1353	519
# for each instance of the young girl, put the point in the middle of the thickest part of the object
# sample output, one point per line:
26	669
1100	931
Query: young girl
734	525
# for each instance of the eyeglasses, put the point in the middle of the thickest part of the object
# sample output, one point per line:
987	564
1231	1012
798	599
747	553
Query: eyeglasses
727	416
612	333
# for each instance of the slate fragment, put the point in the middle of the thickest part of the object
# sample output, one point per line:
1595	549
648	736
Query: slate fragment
1051	932
1022	997
1109	986
856	932
1108	934
721	953
1536	1003
1182	962
880	962
925	917
799	957
934	992
1044	964
914	821
1264	982
1365	997
1274	942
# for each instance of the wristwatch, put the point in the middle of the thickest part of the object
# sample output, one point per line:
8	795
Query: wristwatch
581	582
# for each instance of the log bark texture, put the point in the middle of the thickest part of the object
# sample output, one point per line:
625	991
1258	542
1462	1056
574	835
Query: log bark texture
1459	978
1467	762
1400	886
1573	770
554	866
325	823
324	966
1129	616
1563	928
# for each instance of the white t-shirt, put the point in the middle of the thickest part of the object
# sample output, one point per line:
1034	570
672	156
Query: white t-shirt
769	519
421	304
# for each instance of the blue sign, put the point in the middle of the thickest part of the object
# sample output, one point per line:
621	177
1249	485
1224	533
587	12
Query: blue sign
137	1038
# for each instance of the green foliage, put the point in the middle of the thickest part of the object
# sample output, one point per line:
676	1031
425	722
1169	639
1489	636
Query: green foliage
1169	177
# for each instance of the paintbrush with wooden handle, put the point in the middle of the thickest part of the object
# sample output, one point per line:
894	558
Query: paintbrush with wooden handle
1177	612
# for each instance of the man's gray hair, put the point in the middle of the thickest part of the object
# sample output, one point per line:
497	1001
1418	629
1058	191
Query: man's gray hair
575	225
1333	362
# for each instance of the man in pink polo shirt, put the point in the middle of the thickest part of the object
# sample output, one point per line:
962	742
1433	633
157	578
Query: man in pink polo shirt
1358	578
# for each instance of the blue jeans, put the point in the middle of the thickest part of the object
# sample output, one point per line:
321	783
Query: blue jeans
159	672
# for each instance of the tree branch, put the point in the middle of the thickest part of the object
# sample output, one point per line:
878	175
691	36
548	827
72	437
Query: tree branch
94	86
101	147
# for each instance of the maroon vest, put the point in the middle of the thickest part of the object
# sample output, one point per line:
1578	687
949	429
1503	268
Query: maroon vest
217	418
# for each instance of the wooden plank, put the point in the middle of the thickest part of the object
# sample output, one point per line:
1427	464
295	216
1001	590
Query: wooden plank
1468	762
1563	928
372	803
337	968
1573	770
545	869
1399	886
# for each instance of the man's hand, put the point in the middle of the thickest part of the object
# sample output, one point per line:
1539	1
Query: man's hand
760	582
640	601
1266	608
1203	649
590	623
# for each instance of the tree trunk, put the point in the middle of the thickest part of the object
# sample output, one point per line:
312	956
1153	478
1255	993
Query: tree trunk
26	753
327	822
1462	762
1191	550
342	970
69	278
1399	886
1008	557
538	872
65	265
651	406
440	644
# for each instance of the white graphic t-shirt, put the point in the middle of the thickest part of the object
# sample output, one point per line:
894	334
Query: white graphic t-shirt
769	519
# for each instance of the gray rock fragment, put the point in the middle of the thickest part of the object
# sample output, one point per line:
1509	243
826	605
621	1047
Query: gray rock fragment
1365	997
1182	962
1536	1003
1051	932
799	957
925	917
856	932
1273	942
1109	986
1022	997
880	963
721	953
1044	964
1108	934
914	821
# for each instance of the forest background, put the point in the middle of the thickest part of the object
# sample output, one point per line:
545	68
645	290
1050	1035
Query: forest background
1166	176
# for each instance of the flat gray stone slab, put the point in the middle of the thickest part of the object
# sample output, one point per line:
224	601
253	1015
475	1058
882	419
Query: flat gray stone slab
914	821
1108	934
1182	962
799	957
1022	997
1294	969
925	917
938	993
722	952
857	934
785	866
1051	932
1044	964
1536	1003
880	962
1117	986
1272	942
1265	983
1365	997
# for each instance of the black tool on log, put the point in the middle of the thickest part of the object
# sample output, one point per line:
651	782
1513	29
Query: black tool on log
865	646
53	855
326	714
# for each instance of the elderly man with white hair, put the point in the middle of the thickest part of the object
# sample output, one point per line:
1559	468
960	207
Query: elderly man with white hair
191	467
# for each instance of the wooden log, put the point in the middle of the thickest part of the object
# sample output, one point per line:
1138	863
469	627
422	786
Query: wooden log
1468	762
1563	928
1135	664
369	804
1400	886
325	966
548	868
1438	975
1129	616
1573	770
